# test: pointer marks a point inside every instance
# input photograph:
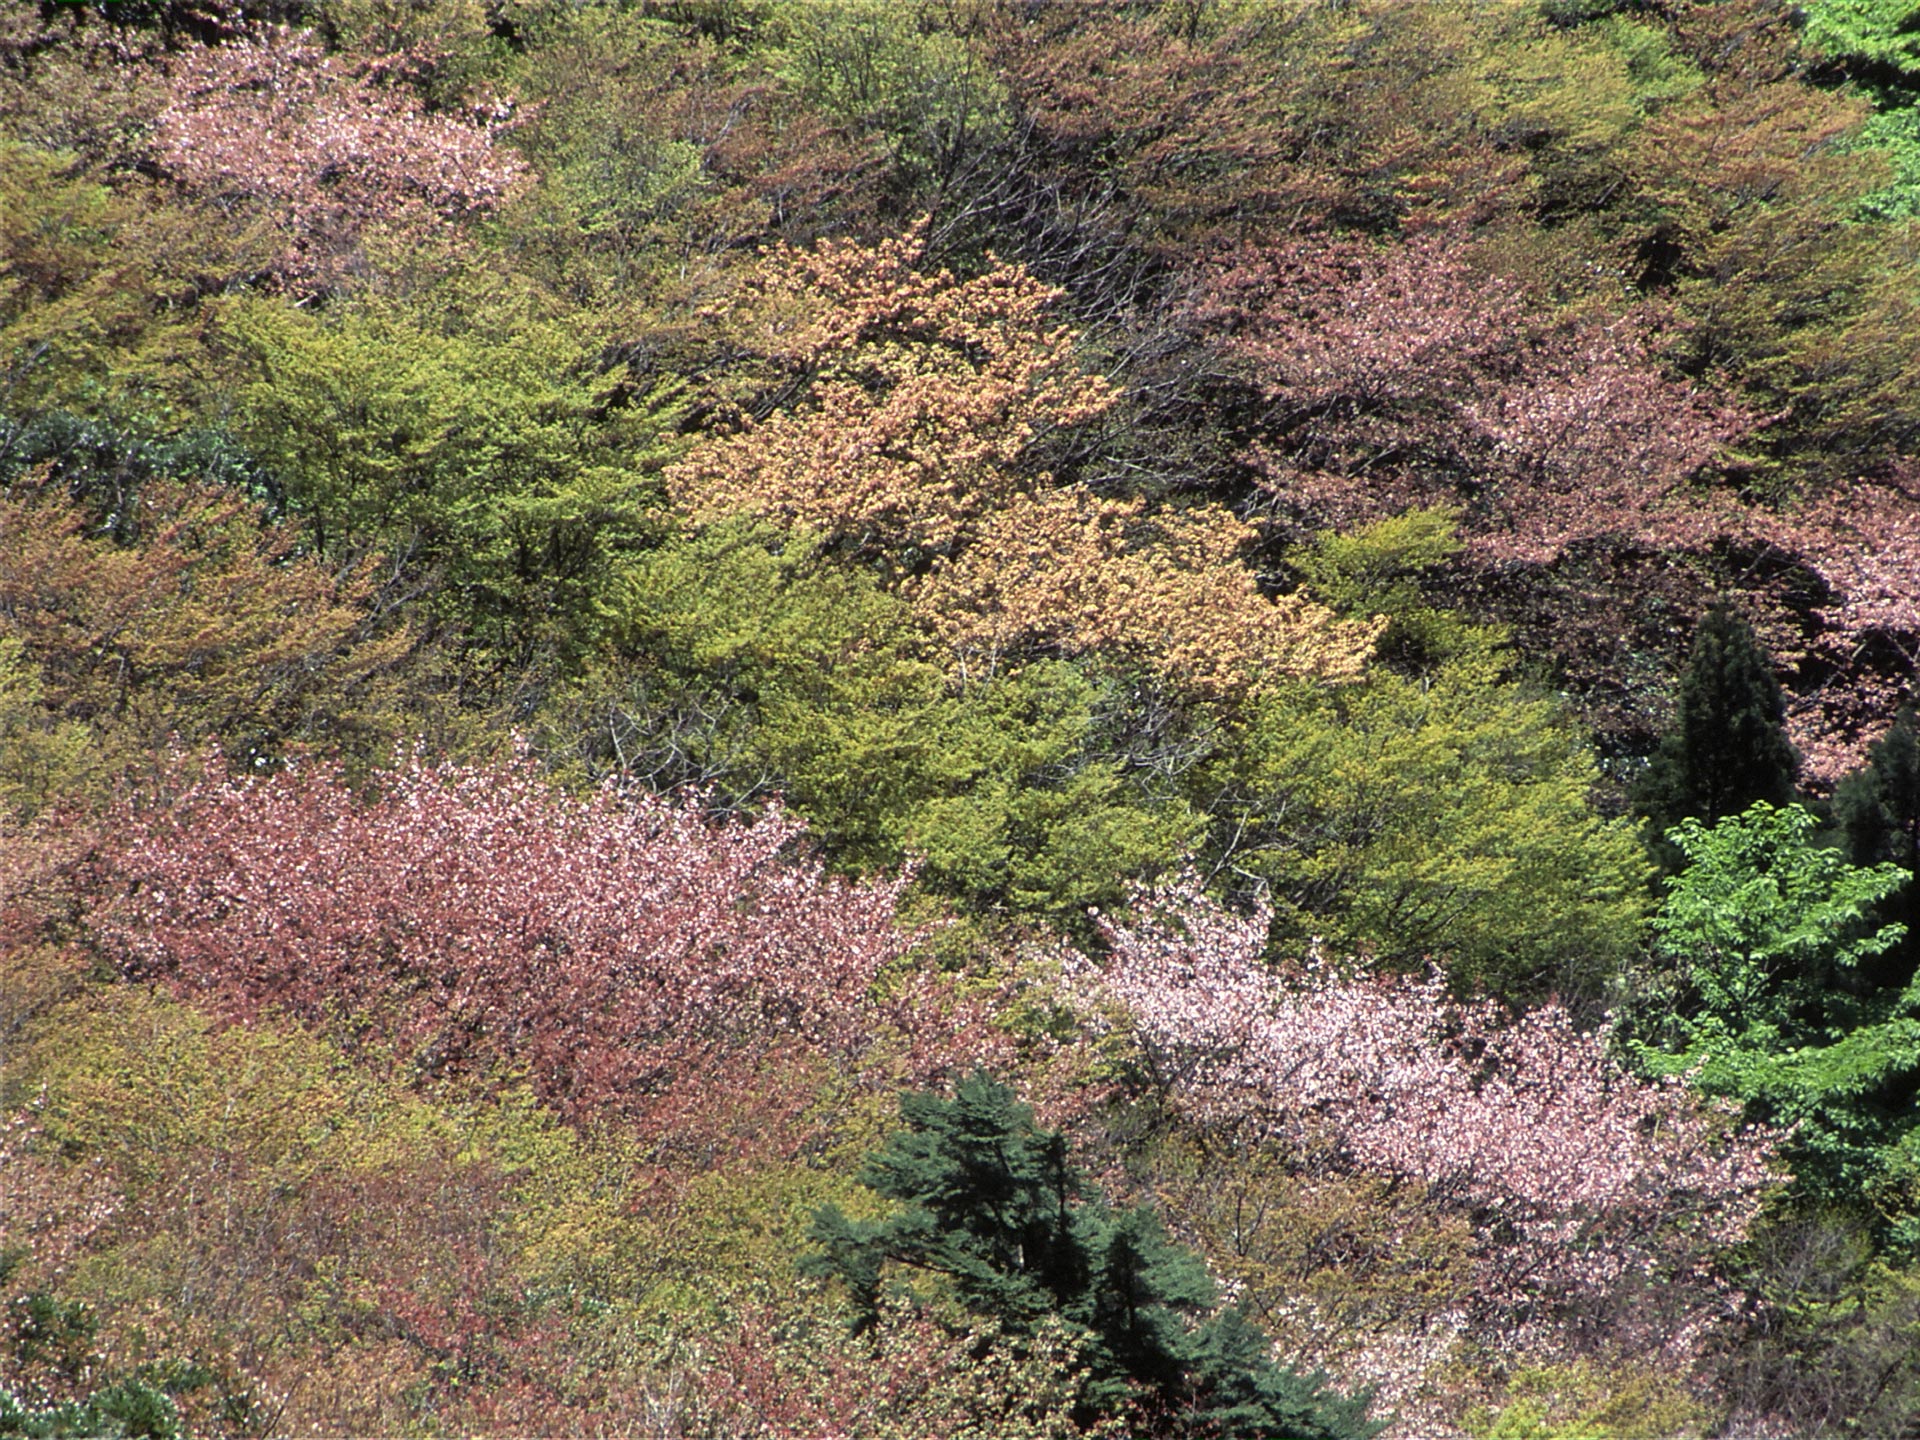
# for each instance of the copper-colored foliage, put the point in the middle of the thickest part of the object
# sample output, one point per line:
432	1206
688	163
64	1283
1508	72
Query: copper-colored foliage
1073	572
918	395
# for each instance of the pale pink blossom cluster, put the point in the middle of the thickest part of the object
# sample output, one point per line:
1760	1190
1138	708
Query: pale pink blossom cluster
1863	542
1585	1184
327	150
1401	376
1595	445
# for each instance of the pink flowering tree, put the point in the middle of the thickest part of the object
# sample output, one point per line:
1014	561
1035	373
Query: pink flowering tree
1400	376
1587	1189
624	954
1586	477
324	148
1860	542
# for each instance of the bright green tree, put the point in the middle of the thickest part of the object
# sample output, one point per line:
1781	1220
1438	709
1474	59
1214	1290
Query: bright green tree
1879	39
748	663
1767	933
907	73
1436	809
992	1206
470	433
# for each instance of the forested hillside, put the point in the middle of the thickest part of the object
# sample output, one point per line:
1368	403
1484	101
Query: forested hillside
935	718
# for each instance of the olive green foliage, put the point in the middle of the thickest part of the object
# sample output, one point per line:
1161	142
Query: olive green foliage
1840	1350
1767	932
474	436
1572	96
908	73
1735	208
1588	1402
1322	1261
96	303
750	663
282	1211
1447	817
1433	810
40	756
617	178
155	612
455	44
993	1207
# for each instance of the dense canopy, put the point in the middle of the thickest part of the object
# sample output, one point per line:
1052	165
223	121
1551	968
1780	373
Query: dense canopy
959	717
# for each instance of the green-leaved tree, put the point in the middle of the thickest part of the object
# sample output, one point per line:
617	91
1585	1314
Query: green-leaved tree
1767	932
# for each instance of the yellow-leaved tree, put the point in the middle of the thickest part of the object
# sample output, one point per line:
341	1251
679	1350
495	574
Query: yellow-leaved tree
904	419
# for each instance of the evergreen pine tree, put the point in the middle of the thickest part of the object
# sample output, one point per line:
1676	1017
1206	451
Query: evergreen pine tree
991	1202
1878	810
1728	747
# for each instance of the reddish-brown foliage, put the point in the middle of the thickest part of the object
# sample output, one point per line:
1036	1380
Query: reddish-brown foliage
794	1371
1172	131
629	957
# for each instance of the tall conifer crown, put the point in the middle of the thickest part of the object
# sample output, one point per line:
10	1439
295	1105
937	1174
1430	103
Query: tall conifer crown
1728	746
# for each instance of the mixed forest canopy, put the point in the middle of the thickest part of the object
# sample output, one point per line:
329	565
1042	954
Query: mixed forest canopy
960	718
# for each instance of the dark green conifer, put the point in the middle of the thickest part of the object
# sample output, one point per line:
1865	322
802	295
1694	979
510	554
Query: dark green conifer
1878	810
991	1202
1728	747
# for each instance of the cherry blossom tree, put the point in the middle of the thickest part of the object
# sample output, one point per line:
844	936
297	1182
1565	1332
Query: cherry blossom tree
1405	375
1588	1190
1861	541
1587	477
626	955
271	123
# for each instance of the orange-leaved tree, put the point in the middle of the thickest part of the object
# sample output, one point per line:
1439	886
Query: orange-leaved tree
1072	572
909	403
